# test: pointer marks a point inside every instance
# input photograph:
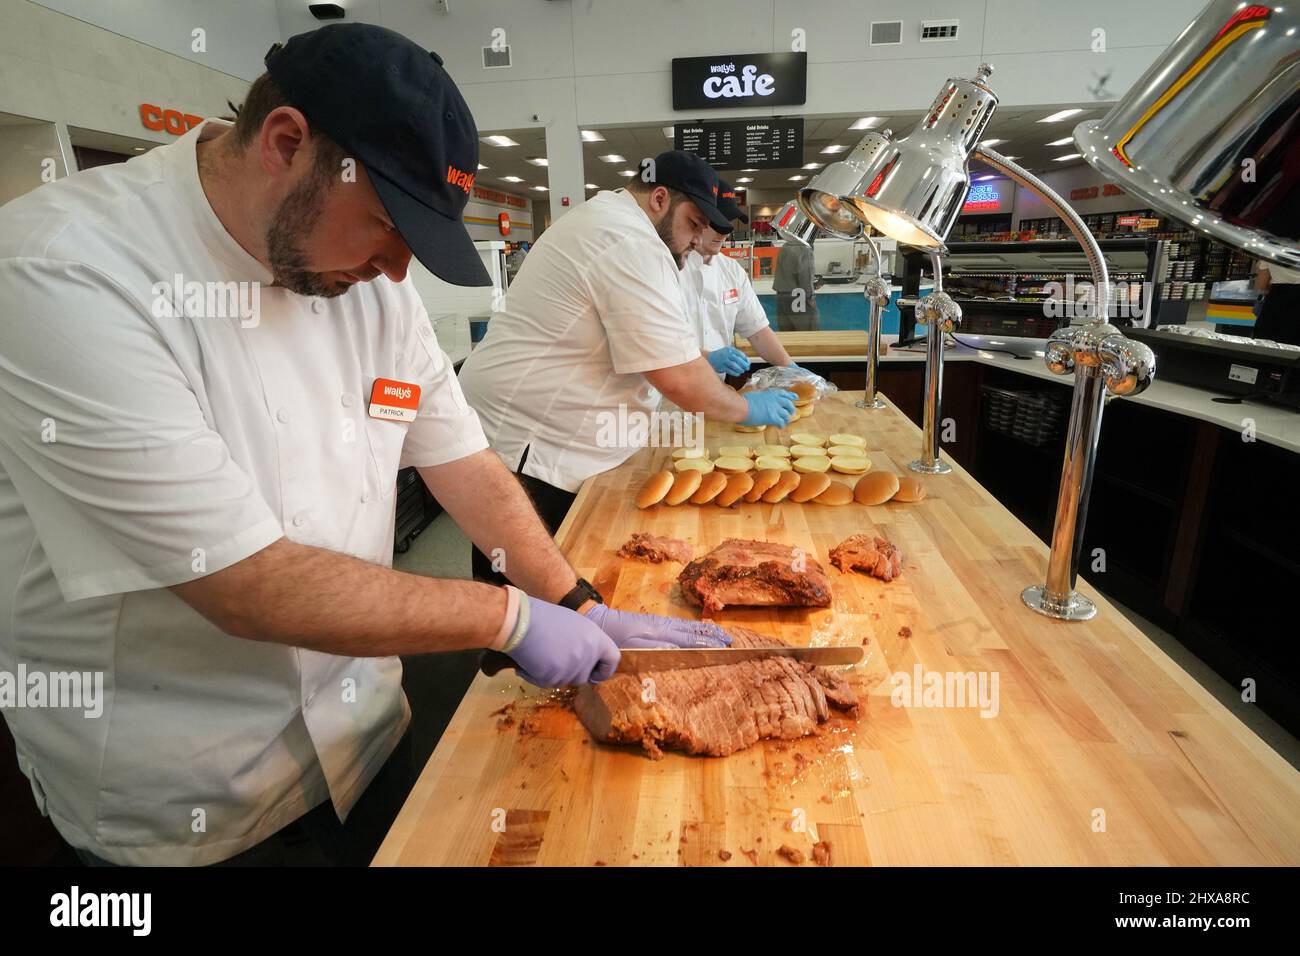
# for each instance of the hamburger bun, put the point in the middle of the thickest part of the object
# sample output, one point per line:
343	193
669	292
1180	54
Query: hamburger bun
733	465
806	391
702	465
787	483
851	464
763	480
685	484
875	488
835	494
711	486
654	489
737	485
749	429
812	463
736	451
802	411
855	440
679	453
771	451
802	451
810	486
808	438
854	450
777	464
909	489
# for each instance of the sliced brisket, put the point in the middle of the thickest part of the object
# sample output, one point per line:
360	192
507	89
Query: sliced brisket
755	572
653	548
715	710
864	552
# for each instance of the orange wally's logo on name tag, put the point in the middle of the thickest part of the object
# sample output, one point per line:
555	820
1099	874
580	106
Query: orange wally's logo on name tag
394	401
731	295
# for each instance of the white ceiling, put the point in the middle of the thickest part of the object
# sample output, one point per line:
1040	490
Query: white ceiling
1026	139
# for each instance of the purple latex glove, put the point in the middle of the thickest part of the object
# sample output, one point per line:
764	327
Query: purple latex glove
773	406
562	648
635	631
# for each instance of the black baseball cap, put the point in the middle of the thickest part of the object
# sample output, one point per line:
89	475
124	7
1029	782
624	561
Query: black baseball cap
727	203
389	103
689	174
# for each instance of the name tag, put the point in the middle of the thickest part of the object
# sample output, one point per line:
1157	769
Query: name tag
394	401
731	296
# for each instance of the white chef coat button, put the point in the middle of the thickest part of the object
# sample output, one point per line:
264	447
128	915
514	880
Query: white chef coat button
368	496
317	305
310	698
300	519
282	416
348	399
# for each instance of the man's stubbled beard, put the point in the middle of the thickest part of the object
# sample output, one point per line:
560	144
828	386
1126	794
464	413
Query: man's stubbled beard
665	230
290	224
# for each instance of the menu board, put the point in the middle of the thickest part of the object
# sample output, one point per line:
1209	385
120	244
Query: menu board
744	144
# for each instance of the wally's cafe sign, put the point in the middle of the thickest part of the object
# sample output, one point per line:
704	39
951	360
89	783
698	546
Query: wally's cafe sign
746	79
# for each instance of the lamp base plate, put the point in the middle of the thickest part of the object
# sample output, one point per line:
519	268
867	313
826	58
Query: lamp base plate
1075	607
940	467
874	403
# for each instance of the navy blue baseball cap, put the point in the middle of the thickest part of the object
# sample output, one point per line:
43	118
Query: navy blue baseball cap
689	174
389	103
727	203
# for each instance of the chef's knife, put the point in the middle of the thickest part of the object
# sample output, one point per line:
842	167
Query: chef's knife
668	659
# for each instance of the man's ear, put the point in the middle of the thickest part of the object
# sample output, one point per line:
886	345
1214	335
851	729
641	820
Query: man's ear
285	132
660	199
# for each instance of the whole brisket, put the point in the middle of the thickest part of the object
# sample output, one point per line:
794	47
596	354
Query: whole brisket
755	572
715	710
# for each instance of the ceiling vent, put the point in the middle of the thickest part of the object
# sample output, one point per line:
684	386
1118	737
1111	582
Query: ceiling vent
886	32
935	30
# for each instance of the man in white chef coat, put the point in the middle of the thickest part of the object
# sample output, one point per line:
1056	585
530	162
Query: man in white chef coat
213	365
594	333
720	299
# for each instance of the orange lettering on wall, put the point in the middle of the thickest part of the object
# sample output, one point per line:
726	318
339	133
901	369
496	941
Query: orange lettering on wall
167	120
151	116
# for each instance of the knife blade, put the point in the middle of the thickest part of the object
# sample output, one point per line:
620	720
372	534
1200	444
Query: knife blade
638	661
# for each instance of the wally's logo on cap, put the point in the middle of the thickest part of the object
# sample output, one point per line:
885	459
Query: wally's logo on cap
729	195
457	178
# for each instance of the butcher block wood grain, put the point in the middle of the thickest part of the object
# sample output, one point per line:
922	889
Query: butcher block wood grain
814	344
1101	750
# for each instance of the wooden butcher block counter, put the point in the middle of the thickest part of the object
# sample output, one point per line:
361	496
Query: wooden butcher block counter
1101	751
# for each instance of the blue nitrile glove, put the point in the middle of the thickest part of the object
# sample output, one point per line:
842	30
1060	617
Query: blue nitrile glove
629	629
561	648
773	406
729	361
795	365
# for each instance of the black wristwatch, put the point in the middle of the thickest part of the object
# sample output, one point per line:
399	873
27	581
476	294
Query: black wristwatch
582	593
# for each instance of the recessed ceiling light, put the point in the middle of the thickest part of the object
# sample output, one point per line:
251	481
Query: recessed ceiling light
668	132
537	160
481	166
512	179
834	148
1061	159
980	179
796	179
592	186
138	149
745	179
1057	117
626	172
1063	141
991	142
812	165
591	136
500	140
612	158
749	170
540	189
867	122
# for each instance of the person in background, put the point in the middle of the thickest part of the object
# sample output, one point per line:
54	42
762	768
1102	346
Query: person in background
795	285
1279	315
720	300
594	332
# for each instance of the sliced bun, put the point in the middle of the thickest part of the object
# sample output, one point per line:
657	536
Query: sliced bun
771	451
855	440
733	465
810	486
736	487
802	451
808	438
654	489
875	488
836	494
777	464
811	463
909	489
702	465
749	429
690	453
736	451
763	480
711	486
787	483
684	485
851	464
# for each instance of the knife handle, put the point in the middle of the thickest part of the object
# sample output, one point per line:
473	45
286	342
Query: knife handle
494	662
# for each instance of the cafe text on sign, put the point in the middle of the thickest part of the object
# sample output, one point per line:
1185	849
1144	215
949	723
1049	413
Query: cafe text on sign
167	121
